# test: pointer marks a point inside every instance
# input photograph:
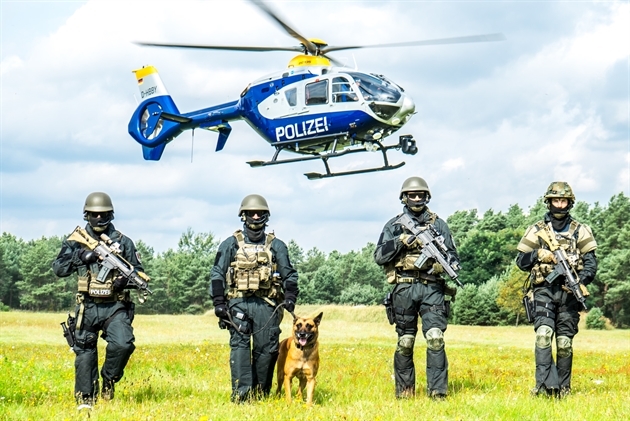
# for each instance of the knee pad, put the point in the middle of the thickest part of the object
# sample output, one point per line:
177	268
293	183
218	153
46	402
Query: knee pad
405	345
435	339
543	336
565	346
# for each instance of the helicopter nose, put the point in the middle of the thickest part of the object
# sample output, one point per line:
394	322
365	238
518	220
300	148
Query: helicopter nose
405	112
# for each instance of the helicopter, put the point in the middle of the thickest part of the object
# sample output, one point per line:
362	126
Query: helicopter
316	108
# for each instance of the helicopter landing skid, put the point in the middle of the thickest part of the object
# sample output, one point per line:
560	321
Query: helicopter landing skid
334	154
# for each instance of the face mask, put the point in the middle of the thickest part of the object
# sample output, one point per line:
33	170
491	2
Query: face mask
560	213
418	203
99	220
255	224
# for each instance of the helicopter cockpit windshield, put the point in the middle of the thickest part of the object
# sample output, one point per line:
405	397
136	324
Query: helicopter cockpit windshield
376	89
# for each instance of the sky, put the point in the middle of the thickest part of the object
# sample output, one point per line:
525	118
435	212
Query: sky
495	124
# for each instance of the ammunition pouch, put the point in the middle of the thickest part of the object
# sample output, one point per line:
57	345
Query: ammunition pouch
406	262
89	283
252	268
101	289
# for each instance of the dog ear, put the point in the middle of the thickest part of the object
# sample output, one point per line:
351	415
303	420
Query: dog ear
294	318
318	318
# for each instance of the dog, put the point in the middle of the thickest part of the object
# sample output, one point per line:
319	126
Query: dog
299	357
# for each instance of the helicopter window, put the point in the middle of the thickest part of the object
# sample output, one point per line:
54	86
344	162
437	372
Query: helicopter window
317	93
291	96
376	89
342	91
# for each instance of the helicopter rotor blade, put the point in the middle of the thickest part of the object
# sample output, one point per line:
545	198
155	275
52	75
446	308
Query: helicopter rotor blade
333	61
441	41
220	47
311	48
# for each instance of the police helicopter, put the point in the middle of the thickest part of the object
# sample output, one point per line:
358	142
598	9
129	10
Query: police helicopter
315	108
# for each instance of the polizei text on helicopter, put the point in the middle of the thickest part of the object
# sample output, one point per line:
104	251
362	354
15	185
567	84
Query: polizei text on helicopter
297	130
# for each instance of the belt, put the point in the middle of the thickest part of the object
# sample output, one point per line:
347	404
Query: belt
261	293
88	299
415	276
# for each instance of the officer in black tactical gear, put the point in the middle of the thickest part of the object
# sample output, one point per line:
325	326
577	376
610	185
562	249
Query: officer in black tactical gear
556	309
103	303
417	291
252	280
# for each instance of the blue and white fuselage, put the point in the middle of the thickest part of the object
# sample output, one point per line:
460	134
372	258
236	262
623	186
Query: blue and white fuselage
301	109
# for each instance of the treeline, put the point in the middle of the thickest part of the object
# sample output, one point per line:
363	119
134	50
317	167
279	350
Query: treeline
486	245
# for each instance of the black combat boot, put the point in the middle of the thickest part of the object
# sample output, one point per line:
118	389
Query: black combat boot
85	402
108	390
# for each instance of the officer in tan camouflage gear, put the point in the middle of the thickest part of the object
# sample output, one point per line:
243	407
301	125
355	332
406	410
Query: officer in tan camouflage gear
556	310
103	303
252	280
416	292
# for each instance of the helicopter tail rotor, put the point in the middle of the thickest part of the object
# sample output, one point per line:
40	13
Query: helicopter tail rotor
157	121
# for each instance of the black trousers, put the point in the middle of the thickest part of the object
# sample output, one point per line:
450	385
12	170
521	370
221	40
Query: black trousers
563	321
409	300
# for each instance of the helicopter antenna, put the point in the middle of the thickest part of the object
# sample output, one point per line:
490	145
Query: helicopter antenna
192	144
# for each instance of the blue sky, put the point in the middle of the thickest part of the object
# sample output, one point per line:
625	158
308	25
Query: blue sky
495	122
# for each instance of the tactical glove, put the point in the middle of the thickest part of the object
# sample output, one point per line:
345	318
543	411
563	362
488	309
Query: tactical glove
220	307
408	240
87	256
119	284
289	301
437	268
546	256
221	311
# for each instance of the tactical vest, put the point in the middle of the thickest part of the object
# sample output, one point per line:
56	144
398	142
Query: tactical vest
253	271
568	242
96	281
406	259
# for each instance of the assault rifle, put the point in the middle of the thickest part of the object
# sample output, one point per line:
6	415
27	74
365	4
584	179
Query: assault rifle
109	256
432	248
563	267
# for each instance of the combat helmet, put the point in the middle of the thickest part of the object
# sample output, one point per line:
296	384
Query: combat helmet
98	210
415	184
98	202
254	202
559	190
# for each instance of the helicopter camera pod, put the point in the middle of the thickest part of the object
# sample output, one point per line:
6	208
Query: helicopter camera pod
408	144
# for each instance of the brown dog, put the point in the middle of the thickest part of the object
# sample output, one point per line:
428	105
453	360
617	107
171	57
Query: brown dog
299	357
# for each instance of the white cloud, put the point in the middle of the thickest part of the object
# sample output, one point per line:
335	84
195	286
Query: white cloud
494	130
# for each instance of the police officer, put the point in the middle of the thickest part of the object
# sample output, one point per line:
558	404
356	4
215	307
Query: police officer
556	308
102	305
416	292
251	281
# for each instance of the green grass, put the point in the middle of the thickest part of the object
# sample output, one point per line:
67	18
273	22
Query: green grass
180	372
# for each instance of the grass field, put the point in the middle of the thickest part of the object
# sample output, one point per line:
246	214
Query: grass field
180	372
